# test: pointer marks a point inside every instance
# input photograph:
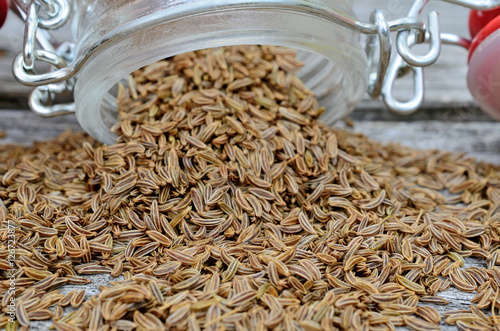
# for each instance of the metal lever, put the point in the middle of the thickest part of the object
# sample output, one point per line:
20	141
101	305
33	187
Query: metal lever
376	79
435	44
399	68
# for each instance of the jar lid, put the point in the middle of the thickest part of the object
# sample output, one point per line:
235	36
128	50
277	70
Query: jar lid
479	36
483	77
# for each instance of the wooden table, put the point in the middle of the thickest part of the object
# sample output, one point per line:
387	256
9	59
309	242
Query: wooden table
448	120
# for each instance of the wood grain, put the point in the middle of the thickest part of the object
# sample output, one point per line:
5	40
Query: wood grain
463	130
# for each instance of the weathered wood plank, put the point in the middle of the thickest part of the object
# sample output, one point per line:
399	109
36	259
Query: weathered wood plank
478	139
465	130
24	127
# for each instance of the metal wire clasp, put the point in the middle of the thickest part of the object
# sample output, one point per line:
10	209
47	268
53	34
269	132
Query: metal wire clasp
405	61
57	13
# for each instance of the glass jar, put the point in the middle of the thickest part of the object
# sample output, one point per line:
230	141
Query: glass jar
119	36
112	38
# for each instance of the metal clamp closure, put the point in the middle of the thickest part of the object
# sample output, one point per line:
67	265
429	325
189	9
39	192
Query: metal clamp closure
405	61
57	13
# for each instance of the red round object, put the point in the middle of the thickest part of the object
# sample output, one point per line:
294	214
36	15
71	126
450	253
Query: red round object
491	27
4	7
483	76
478	19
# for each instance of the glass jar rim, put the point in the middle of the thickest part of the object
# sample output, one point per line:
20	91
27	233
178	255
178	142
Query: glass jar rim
206	27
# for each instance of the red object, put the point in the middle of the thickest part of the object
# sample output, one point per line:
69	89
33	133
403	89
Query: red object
478	19
483	76
4	7
486	31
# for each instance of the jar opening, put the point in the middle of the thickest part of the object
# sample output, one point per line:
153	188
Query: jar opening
323	77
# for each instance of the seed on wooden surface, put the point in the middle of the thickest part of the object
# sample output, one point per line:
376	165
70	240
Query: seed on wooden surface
434	300
64	301
77	299
429	314
412	286
94	269
22	314
419	324
40	315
